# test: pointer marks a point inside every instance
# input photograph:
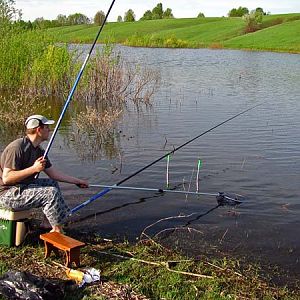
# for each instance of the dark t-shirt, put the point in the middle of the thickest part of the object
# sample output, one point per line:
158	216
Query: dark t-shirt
19	155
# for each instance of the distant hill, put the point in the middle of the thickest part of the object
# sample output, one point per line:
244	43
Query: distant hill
278	33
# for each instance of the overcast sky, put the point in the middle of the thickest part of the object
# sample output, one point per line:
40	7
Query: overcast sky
49	9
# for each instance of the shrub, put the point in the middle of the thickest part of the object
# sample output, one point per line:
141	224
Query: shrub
253	21
18	50
51	72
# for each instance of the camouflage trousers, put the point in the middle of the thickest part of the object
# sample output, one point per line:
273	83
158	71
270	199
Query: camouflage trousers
43	193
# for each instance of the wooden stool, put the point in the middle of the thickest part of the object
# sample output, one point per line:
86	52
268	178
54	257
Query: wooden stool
54	241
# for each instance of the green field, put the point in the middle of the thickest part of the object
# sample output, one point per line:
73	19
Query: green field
284	37
278	33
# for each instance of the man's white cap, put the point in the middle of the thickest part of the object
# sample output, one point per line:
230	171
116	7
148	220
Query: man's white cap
36	120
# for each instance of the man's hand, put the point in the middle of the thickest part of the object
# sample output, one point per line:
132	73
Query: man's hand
82	183
40	164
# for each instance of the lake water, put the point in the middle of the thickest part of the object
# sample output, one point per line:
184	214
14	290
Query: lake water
255	155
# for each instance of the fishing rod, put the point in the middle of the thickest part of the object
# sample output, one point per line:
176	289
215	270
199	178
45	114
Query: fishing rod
222	198
107	189
76	83
114	187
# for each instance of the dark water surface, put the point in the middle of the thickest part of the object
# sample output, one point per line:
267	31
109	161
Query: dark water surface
255	155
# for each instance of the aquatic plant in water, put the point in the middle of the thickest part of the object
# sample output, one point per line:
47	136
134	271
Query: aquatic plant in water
109	87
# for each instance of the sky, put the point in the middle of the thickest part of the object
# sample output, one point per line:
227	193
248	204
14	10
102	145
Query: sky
49	9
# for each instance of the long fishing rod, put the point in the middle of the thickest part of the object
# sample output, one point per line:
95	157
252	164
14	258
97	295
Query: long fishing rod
106	190
76	83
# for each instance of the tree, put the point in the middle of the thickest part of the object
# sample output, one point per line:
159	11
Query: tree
23	25
157	12
119	19
167	14
253	21
238	12
260	10
201	15
129	16
99	17
78	18
62	20
147	15
41	23
8	12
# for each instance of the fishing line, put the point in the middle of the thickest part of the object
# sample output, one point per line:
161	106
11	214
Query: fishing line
76	83
106	190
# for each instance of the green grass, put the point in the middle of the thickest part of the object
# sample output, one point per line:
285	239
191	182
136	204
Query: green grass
119	32
279	33
284	37
149	274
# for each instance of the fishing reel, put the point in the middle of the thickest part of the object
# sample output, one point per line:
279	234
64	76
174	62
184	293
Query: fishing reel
225	199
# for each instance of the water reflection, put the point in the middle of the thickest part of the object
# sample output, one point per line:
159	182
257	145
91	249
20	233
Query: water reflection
91	144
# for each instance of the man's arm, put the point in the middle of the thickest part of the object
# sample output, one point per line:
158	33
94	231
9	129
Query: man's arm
59	176
11	176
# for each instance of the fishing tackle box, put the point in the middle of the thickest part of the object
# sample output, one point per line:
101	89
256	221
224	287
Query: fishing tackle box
13	227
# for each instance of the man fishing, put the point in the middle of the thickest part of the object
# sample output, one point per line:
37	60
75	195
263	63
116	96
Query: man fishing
20	162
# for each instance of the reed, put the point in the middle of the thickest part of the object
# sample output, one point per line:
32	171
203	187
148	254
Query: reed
109	87
50	74
18	51
14	110
110	82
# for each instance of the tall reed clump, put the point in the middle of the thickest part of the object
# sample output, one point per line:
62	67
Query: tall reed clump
32	68
51	73
31	61
18	50
108	88
110	82
14	110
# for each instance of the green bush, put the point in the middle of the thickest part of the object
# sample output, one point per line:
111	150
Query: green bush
155	41
50	72
18	50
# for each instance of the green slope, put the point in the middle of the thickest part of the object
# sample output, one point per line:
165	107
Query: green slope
205	34
283	37
280	33
119	32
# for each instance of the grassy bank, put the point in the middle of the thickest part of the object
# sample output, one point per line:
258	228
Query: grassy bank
278	33
147	271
